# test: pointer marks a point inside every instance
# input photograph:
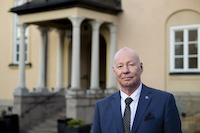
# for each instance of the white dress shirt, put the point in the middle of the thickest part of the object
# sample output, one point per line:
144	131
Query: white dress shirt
133	106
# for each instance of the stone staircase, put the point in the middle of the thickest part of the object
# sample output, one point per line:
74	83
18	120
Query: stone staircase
49	125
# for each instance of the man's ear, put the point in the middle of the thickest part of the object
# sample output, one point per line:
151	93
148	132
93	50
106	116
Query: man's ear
141	67
114	71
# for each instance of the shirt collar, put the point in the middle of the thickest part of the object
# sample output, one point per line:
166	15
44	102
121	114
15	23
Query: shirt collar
135	95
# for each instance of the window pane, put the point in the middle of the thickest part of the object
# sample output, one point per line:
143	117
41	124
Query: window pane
193	35
192	48
17	57
25	56
178	49
179	36
17	47
178	62
25	47
18	33
192	62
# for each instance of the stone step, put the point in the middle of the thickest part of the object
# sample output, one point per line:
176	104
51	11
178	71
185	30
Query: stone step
33	131
58	115
43	125
49	125
43	129
39	132
51	120
47	129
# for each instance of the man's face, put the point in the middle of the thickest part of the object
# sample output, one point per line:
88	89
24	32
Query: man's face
127	69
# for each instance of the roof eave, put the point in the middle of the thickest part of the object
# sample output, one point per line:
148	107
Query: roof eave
27	9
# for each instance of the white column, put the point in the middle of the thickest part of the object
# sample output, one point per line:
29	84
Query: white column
41	75
75	74
112	80
59	74
94	79
21	90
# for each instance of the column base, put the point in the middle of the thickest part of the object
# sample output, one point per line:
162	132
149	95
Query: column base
110	91
74	93
95	88
95	93
75	88
57	89
89	93
41	90
21	92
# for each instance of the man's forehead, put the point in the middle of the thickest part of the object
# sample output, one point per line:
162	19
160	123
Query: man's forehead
125	51
125	55
124	61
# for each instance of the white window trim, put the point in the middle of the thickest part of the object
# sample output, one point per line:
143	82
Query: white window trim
184	28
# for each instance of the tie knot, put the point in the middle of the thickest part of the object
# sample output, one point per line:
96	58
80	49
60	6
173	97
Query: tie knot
128	100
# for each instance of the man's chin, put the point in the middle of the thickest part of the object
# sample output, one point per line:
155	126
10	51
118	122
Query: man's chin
127	85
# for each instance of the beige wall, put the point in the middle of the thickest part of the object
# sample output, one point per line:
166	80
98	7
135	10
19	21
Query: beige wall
7	76
185	83
66	62
33	56
143	25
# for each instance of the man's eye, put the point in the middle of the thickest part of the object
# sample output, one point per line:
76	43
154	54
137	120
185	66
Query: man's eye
131	64
119	66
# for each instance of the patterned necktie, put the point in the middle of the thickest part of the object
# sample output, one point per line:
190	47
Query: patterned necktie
127	114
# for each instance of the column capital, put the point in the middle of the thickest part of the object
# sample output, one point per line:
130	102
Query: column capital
22	25
43	29
96	24
76	20
112	27
60	32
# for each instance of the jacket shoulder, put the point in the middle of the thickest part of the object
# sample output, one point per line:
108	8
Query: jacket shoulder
110	97
157	92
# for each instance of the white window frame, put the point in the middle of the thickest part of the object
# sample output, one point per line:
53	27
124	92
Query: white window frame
16	36
185	29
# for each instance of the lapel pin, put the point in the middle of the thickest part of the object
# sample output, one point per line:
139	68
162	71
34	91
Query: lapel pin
146	97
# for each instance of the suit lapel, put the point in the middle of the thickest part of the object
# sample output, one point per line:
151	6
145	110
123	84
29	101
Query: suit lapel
116	109
143	103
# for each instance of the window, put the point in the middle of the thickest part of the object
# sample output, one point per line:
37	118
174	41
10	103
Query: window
16	35
185	48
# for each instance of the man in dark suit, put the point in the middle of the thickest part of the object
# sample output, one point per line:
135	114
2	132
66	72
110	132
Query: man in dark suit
136	108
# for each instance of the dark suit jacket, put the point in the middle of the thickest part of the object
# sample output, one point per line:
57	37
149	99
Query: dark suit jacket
156	113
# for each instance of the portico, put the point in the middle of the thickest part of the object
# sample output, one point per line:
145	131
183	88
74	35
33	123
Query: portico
76	66
88	28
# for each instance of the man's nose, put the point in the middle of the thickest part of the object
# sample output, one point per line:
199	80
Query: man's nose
125	69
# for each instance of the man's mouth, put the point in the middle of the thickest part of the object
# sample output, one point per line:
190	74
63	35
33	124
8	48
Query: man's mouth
127	78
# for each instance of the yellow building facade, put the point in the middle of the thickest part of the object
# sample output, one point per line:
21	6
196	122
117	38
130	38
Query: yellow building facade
141	25
166	35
